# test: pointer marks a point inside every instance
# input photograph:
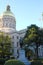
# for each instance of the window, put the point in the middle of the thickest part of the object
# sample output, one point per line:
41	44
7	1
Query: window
3	24
17	51
13	37
17	44
17	37
6	24
12	42
12	50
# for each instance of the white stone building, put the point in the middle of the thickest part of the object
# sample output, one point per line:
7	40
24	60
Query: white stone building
8	26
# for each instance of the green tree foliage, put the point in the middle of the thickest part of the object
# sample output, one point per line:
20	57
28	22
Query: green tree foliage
5	45
31	34
34	34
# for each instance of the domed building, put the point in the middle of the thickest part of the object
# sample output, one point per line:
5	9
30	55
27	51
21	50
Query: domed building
8	26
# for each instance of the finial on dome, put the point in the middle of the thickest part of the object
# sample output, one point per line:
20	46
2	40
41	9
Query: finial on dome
8	8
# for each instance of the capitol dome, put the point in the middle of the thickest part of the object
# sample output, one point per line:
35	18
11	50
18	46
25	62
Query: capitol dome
8	19
8	11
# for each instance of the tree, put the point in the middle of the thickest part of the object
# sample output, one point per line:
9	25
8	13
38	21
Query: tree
33	34
5	45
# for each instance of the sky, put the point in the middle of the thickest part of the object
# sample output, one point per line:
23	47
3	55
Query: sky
26	12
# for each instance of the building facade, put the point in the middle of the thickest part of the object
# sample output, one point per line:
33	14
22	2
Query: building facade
8	26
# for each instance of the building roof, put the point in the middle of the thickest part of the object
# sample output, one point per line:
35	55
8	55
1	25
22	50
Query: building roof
8	11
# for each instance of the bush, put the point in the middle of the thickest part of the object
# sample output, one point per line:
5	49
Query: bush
2	61
14	62
29	54
36	63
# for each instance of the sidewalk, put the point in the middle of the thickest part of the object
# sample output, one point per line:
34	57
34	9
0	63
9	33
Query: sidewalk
23	58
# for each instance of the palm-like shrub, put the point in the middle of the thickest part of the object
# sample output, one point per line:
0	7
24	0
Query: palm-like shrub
14	62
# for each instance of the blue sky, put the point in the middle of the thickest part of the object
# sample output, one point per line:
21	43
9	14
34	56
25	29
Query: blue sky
26	12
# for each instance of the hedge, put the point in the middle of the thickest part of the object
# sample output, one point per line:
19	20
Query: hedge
37	63
2	61
14	62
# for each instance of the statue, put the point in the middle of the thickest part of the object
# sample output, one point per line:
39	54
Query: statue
8	8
